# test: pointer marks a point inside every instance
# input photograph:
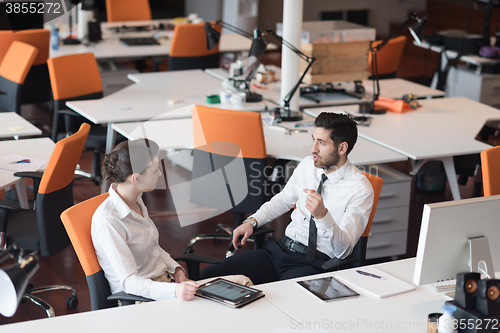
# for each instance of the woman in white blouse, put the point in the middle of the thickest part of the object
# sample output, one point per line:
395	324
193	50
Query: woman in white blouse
124	236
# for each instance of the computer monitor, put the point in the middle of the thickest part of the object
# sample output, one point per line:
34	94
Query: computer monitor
443	246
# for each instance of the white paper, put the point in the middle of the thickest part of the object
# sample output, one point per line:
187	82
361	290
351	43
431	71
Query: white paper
33	165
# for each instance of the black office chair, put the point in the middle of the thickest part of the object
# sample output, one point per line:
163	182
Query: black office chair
77	221
41	229
358	256
231	143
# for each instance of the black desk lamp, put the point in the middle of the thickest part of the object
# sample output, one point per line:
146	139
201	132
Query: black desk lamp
284	113
257	49
14	278
415	30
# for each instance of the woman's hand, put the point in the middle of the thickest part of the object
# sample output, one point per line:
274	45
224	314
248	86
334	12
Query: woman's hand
185	290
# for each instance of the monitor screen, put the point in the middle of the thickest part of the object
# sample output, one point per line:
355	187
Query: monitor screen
443	246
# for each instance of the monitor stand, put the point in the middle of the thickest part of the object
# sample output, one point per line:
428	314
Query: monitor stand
480	252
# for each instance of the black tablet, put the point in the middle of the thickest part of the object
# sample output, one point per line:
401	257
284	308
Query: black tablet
328	288
228	293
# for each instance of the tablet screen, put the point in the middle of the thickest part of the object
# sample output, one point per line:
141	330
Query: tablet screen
227	290
328	288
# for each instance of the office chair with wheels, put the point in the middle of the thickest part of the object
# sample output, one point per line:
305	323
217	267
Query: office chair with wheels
14	68
128	10
77	220
229	159
358	256
76	77
189	48
41	229
36	86
490	163
388	58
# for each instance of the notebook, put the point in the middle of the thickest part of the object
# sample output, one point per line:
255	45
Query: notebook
389	286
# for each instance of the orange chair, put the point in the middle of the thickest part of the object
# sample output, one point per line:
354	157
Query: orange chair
76	77
231	143
41	229
388	58
358	256
189	48
128	10
490	164
36	87
13	71
77	221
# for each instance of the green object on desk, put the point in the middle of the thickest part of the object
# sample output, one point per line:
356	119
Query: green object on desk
213	99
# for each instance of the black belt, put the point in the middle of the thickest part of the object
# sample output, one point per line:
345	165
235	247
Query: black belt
294	246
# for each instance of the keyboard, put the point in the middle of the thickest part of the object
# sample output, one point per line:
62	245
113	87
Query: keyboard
139	41
447	285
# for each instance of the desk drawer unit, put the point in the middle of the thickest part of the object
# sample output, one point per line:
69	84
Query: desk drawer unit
484	88
389	231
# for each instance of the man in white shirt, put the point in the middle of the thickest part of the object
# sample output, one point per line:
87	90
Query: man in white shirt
324	225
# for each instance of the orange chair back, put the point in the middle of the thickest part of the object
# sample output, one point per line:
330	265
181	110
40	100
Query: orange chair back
60	169
128	10
74	75
17	61
490	165
77	220
377	183
190	41
211	125
39	38
389	57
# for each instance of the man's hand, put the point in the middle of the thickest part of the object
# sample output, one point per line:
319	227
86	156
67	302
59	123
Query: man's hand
179	275
185	290
314	204
245	230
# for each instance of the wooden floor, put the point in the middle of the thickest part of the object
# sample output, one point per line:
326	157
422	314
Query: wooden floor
64	267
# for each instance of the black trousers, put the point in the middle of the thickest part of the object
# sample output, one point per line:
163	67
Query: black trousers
269	264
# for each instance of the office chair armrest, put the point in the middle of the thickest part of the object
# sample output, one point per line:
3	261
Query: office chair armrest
9	205
36	176
193	261
29	174
336	263
127	299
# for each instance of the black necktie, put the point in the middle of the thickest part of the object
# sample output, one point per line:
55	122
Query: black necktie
313	231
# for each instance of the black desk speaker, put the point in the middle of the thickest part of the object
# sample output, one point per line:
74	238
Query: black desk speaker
488	297
466	289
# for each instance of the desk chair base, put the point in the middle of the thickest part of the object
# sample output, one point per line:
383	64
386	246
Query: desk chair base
71	302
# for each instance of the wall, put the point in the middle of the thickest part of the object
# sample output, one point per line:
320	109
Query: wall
382	12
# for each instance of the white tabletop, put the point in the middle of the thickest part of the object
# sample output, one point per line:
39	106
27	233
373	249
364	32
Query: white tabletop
150	97
197	315
13	125
441	127
111	47
178	134
469	58
287	307
391	88
360	314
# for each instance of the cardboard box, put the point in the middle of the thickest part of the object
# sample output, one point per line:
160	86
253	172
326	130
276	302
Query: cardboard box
323	32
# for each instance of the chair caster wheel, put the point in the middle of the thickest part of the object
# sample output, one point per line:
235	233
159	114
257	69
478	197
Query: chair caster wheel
188	250
72	302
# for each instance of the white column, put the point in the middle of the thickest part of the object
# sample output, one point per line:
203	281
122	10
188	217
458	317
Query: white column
290	62
84	16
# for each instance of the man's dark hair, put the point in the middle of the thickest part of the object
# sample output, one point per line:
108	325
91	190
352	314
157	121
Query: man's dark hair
343	127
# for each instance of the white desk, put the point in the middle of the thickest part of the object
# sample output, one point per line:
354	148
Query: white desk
111	47
286	306
361	314
178	134
40	148
149	97
391	88
440	129
15	126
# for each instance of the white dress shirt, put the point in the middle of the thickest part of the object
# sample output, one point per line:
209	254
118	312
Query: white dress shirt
127	248
347	194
